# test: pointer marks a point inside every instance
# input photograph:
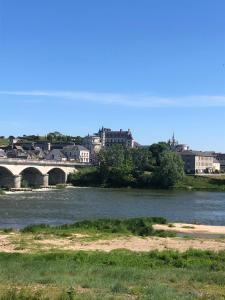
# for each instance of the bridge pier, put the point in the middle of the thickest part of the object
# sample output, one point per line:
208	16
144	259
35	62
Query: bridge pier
45	180
17	179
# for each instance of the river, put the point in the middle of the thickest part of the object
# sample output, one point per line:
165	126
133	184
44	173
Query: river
69	205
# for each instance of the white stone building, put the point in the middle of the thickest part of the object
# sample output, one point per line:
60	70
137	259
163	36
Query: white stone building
198	162
94	145
216	166
77	153
111	137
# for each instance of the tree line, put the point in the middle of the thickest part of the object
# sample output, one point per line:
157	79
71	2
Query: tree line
52	137
144	167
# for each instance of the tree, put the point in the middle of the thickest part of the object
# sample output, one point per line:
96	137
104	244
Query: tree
142	159
170	171
115	166
157	150
78	140
112	157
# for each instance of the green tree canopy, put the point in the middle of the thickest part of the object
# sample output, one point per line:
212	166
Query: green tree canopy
170	171
157	150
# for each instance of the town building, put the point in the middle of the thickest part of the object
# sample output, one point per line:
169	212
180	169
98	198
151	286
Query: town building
106	138
17	152
198	162
216	166
221	159
121	137
69	153
77	153
94	145
56	154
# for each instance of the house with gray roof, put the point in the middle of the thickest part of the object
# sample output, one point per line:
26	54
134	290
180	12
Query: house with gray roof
198	162
77	153
56	154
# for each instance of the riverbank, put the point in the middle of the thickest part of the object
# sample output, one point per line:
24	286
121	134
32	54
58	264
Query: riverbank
189	182
202	183
112	260
139	234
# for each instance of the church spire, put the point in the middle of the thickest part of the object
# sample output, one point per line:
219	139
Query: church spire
173	138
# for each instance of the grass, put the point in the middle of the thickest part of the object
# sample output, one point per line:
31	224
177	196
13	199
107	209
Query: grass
2	192
119	274
132	226
216	183
116	275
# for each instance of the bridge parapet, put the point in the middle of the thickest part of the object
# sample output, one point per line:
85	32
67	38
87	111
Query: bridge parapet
15	161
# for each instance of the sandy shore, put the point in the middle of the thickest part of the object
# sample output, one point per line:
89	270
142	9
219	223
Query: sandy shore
135	244
192	229
77	241
132	243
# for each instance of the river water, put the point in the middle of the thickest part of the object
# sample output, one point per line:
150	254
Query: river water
66	206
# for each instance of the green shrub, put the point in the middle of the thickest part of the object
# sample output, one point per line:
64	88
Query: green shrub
135	226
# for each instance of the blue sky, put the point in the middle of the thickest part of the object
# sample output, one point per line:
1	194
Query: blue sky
154	66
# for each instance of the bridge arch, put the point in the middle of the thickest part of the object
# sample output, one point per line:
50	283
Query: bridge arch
57	176
31	177
6	178
34	173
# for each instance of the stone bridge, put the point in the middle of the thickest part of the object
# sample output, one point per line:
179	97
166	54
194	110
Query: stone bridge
15	173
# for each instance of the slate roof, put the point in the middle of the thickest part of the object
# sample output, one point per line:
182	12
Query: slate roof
196	153
75	147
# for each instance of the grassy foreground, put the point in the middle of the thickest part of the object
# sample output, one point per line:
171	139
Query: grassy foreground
54	274
116	275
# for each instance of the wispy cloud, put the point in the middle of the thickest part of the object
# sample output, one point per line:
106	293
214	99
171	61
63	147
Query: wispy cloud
130	100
